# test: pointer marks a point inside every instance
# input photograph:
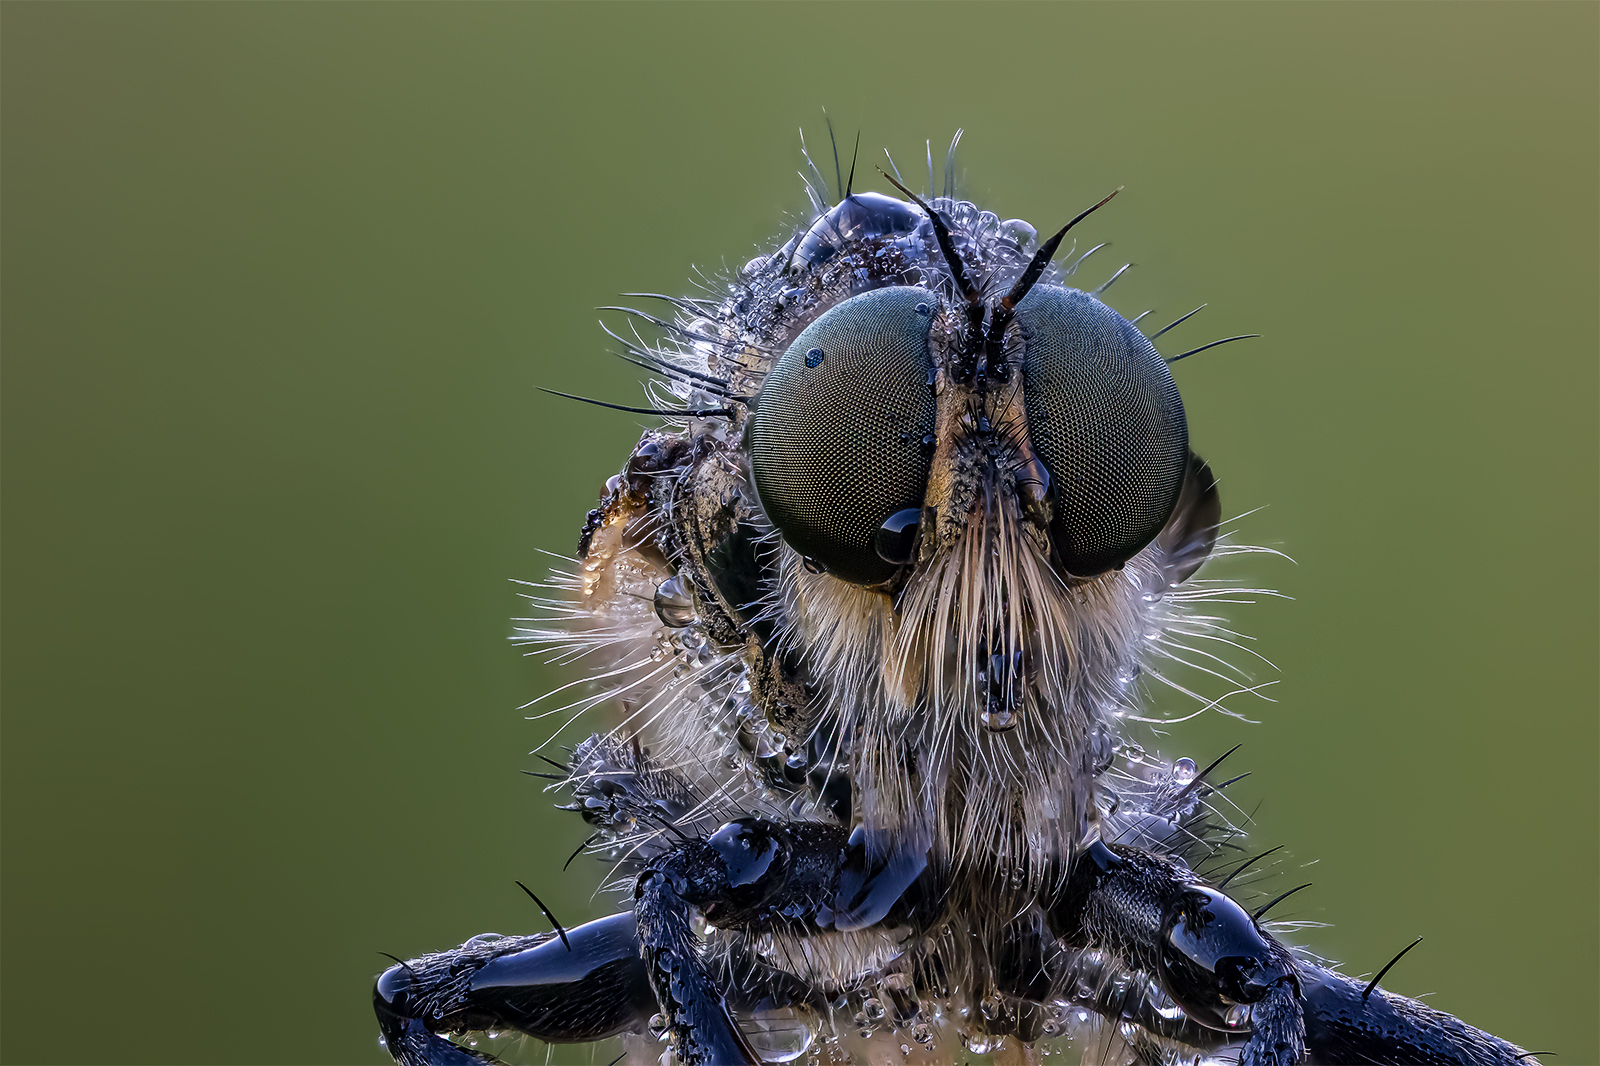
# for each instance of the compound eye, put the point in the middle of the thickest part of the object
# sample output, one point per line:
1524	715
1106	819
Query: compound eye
1104	415
836	442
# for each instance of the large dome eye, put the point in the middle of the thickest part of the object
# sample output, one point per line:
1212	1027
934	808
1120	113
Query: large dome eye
1104	414
836	442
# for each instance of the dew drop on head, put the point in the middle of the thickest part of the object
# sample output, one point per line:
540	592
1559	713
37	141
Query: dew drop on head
674	605
897	536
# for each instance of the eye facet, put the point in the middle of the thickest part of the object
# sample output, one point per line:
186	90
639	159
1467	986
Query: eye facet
1104	414
836	442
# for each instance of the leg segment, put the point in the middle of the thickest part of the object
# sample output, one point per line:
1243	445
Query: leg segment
748	875
1349	1022
753	876
587	987
1207	953
1235	983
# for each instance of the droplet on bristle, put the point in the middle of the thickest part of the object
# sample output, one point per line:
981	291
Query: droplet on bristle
674	605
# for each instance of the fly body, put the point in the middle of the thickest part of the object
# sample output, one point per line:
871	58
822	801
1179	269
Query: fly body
871	608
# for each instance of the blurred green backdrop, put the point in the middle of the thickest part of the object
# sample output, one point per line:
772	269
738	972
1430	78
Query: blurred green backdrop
280	283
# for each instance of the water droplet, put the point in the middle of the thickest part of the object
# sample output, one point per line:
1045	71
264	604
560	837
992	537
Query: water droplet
896	538
813	566
1171	1013
872	1008
659	1026
814	357
998	721
983	1043
1021	232
1033	483
781	1035
674	605
923	309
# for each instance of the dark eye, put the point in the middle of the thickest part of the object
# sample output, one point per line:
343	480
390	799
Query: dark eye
836	443
1104	414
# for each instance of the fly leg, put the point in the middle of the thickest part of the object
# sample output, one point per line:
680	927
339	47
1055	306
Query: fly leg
752	876
1239	987
1350	1021
586	984
1207	953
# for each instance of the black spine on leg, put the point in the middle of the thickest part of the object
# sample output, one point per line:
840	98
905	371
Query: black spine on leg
1344	1025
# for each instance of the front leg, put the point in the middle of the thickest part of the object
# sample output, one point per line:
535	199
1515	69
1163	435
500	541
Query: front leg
1206	951
754	876
1212	959
585	986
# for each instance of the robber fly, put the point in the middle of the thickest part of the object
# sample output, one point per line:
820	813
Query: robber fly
873	606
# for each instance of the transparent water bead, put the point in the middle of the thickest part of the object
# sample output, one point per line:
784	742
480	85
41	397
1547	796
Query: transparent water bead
983	1043
674	605
1022	232
781	1035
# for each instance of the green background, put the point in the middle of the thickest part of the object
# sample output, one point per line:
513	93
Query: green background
280	283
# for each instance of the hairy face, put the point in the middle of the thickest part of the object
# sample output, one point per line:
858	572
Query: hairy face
974	490
927	538
976	498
